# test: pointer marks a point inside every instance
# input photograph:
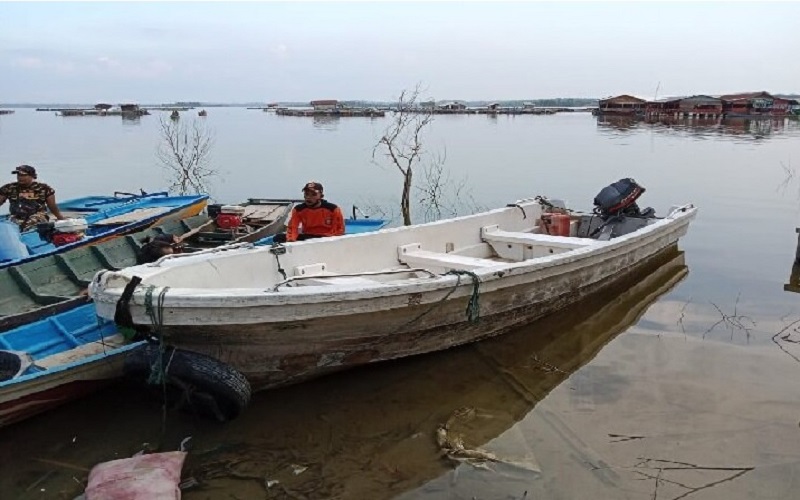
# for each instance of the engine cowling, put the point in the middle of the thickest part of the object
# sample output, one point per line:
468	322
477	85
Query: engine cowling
229	216
228	221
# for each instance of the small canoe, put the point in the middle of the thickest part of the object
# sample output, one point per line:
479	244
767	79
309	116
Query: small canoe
248	222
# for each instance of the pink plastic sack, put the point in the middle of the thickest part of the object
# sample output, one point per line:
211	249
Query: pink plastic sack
144	477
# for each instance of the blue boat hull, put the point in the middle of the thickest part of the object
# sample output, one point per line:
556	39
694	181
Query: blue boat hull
74	353
163	208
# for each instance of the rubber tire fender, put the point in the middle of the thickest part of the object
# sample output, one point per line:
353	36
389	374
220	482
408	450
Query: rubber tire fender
228	388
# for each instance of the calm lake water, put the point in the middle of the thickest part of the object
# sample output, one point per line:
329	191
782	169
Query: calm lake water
680	383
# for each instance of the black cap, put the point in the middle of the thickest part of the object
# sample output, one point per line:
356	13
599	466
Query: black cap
313	186
25	169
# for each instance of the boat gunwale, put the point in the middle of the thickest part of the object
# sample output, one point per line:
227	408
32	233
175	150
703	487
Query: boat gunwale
112	351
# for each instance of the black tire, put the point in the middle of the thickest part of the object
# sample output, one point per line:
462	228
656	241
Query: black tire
206	384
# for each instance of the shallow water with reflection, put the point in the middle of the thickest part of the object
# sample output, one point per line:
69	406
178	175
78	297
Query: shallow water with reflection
678	382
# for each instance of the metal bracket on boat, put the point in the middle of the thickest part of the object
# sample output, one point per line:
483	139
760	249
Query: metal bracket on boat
223	248
681	208
353	275
277	249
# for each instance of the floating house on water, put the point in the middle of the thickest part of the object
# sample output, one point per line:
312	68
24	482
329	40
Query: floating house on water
696	106
622	105
325	104
744	105
453	106
748	104
329	107
132	110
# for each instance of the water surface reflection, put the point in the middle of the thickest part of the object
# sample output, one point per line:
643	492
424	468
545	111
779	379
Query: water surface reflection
700	127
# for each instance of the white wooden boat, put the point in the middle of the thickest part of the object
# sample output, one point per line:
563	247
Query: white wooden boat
283	314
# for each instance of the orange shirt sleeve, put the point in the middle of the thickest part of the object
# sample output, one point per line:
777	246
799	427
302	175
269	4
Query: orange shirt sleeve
338	222
293	227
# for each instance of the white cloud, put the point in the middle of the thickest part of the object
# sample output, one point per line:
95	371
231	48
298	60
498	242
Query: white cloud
129	69
280	51
27	62
37	63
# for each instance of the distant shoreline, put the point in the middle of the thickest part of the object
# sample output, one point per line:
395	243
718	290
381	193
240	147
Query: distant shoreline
553	102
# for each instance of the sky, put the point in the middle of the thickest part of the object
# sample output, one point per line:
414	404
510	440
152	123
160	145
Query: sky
236	52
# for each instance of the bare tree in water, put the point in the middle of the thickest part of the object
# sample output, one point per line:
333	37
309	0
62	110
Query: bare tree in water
437	194
402	143
185	151
440	195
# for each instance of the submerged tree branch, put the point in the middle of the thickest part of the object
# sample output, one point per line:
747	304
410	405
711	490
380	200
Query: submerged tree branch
185	151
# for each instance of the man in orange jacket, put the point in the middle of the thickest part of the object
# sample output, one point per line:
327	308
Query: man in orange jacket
316	216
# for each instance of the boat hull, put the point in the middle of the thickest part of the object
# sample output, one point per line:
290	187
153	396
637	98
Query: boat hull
275	341
272	355
36	393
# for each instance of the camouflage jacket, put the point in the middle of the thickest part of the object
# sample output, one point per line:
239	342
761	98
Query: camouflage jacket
26	201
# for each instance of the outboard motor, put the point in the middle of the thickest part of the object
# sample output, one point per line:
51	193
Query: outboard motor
62	232
229	217
619	199
616	212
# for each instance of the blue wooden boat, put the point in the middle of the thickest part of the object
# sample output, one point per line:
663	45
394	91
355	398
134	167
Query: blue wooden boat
50	361
54	283
105	218
352	226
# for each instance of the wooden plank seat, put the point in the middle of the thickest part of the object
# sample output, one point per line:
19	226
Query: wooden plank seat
13	298
262	213
46	279
195	221
172	227
492	234
82	351
118	253
136	215
80	264
413	256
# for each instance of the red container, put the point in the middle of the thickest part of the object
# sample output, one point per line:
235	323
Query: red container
228	221
556	224
61	239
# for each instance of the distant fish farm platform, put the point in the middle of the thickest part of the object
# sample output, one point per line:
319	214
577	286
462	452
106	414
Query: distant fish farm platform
330	112
496	111
6	111
96	112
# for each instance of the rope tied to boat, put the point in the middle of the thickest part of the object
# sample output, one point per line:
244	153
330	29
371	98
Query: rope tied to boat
158	371
277	249
473	305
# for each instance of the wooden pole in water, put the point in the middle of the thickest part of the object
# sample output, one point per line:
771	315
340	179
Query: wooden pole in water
797	250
